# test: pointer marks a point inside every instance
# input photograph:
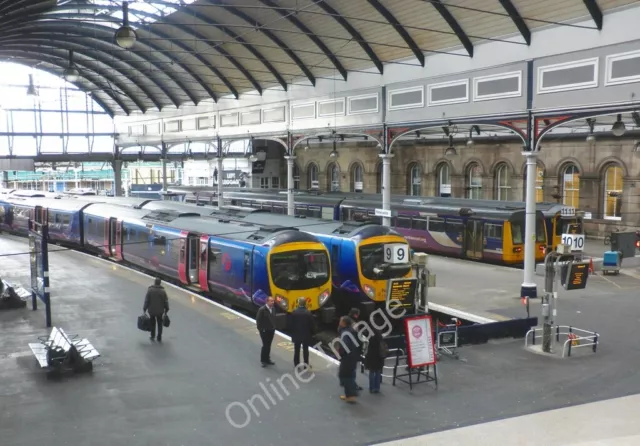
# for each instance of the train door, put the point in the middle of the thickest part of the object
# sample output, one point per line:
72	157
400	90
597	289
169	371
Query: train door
335	259
474	239
193	242
113	226
118	239
203	275
248	272
106	244
40	215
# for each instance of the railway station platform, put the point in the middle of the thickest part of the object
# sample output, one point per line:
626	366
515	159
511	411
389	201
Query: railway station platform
178	392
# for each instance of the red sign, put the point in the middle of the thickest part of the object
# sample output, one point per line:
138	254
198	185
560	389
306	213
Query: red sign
421	348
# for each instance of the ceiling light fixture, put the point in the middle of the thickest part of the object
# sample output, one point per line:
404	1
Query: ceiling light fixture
618	127
71	73
125	36
31	89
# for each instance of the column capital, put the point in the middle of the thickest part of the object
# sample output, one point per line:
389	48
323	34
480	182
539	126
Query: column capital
290	157
530	154
386	156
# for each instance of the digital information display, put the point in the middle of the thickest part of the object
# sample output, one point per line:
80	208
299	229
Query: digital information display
577	276
403	290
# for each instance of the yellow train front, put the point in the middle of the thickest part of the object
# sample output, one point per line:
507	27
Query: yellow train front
560	219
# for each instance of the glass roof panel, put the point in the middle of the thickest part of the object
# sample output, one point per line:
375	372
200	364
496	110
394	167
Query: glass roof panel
159	9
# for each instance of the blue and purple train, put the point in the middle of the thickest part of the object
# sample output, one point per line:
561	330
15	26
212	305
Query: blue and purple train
238	262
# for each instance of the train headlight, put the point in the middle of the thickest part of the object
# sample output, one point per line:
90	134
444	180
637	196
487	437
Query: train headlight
323	297
369	291
283	302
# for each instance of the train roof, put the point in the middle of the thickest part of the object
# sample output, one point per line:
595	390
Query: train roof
50	203
193	222
259	216
132	202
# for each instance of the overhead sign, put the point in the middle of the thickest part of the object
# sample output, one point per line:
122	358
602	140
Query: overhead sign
383	213
577	274
401	290
395	253
567	211
421	350
258	167
575	241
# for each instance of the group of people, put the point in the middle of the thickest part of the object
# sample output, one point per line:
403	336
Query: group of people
303	329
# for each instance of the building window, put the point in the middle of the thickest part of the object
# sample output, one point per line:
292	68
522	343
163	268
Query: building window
264	183
275	182
357	184
571	186
444	180
415	180
379	178
613	192
312	176
296	177
474	182
503	183
333	178
202	181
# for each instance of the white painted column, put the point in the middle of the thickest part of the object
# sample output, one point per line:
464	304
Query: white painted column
291	206
386	186
220	183
529	288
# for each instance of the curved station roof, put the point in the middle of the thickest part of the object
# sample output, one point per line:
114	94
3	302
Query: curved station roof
188	51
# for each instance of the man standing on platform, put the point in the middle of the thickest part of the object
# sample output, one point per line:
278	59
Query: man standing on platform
265	322
156	303
302	331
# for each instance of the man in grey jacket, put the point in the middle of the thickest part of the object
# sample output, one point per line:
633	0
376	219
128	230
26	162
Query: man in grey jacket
156	303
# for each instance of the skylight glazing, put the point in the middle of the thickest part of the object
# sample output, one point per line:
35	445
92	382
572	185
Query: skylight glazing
158	9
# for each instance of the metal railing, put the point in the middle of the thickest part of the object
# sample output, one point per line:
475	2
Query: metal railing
575	338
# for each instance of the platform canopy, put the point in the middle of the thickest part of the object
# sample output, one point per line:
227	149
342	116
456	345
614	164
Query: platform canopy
189	51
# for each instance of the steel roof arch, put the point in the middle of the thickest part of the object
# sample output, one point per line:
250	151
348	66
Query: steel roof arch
40	58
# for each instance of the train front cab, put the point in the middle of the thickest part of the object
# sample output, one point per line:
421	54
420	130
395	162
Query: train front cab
558	225
514	239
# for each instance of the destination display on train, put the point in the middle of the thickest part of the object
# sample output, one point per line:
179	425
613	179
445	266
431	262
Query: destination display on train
577	276
402	290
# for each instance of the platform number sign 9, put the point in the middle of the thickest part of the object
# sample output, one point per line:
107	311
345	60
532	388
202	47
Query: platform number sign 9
396	253
575	241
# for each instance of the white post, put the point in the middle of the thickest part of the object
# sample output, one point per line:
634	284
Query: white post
291	207
529	288
220	185
386	186
164	175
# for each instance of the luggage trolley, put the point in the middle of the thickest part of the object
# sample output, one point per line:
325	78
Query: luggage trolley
447	338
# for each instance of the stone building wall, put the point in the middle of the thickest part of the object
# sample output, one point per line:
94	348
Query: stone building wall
591	159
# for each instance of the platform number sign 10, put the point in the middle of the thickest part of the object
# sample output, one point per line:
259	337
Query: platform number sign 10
396	253
575	241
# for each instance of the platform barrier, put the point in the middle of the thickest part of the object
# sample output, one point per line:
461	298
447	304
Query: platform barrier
570	337
482	333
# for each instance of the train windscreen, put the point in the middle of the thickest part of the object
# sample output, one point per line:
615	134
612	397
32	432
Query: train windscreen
374	267
299	270
517	231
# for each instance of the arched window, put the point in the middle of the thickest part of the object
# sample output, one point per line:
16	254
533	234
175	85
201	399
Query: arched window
296	177
415	180
571	186
333	178
444	180
379	178
312	176
613	192
503	183
357	182
474	182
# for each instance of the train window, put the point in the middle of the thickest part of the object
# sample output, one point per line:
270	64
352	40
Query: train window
266	206
453	226
51	218
160	241
403	222
493	231
517	233
315	212
419	223
277	209
436	225
375	220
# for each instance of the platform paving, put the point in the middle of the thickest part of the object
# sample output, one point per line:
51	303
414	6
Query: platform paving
176	393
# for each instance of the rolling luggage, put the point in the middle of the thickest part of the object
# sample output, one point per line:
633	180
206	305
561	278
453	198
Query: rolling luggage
144	322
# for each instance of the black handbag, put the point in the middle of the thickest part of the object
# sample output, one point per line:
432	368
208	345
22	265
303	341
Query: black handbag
144	322
165	320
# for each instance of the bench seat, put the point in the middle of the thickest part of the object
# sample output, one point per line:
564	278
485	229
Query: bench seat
40	352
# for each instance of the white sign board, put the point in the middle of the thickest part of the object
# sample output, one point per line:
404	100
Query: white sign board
395	253
421	350
358	186
383	213
445	188
575	241
315	184
567	211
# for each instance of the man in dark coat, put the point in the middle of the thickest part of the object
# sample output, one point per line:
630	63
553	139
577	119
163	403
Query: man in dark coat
349	354
374	361
265	323
354	314
303	327
156	303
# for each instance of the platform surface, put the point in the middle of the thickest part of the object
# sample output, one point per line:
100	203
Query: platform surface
177	392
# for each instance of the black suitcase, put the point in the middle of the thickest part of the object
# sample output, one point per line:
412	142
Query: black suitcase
144	322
